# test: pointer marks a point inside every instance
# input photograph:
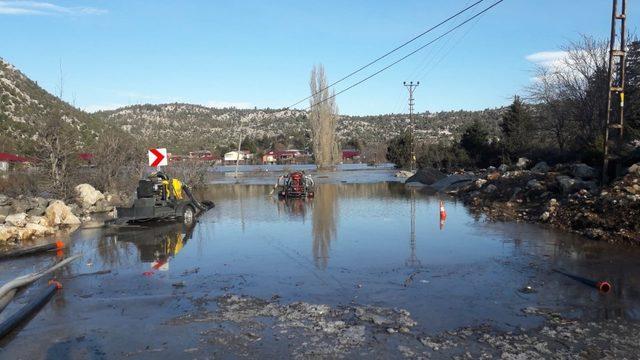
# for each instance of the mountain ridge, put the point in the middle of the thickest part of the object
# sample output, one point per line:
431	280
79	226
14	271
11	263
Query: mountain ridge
185	127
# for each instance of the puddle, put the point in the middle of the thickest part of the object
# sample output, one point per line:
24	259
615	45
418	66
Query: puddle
370	244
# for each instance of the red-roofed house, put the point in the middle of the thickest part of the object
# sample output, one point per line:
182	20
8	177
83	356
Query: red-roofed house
7	159
350	154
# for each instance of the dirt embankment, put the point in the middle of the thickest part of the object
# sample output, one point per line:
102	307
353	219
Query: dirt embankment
565	196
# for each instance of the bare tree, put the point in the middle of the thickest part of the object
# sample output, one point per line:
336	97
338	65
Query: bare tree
323	118
572	92
58	151
119	160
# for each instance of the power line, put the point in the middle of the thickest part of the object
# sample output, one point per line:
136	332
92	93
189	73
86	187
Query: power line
406	56
389	52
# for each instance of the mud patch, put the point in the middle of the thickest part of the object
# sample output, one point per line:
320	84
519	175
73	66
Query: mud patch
312	329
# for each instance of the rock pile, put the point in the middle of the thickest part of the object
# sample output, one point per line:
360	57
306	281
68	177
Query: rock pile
566	196
22	218
22	226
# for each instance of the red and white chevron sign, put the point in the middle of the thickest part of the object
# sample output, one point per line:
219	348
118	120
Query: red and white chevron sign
158	157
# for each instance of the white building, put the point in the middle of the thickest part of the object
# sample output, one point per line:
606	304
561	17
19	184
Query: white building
233	156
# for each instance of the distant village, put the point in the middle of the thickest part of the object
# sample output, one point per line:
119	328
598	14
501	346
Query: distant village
10	161
291	156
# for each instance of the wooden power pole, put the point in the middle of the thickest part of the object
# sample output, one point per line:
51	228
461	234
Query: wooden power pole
614	129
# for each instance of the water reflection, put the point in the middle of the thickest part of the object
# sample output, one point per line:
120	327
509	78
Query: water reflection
380	234
155	244
325	218
413	261
294	207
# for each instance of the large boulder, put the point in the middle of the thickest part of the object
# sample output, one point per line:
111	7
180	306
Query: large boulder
40	220
25	234
5	210
536	185
490	189
569	185
20	205
403	174
58	213
18	220
39	230
523	163
87	195
480	183
426	176
4	200
453	182
583	171
503	168
588	185
634	169
541	167
7	232
37	206
566	183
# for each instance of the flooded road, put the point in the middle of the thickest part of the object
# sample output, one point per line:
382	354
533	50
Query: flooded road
171	291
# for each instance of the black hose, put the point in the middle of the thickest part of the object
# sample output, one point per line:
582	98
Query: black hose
31	250
26	311
602	286
204	206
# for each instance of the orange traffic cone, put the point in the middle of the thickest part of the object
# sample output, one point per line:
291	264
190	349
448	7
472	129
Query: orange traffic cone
443	215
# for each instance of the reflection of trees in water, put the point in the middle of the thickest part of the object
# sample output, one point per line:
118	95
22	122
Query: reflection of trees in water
325	217
112	252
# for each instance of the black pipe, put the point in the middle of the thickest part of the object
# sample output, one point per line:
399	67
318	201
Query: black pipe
32	307
602	286
206	205
32	250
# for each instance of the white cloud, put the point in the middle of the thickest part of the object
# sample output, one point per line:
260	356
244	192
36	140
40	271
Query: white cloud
553	60
228	104
44	8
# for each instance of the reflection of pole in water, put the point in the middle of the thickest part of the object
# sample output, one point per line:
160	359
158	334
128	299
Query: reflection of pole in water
241	208
413	260
443	215
325	213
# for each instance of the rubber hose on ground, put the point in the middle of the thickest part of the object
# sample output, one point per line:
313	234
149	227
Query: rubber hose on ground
32	250
26	311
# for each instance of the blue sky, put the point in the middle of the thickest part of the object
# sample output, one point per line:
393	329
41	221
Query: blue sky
259	53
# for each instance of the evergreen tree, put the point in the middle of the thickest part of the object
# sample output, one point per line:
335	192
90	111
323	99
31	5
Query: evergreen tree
399	150
517	129
477	143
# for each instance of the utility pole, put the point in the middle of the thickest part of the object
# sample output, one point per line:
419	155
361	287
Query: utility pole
615	102
412	87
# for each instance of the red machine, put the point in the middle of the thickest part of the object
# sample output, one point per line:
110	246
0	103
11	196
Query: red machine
295	185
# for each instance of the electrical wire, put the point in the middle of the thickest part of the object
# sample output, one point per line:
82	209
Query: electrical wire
404	57
389	52
428	69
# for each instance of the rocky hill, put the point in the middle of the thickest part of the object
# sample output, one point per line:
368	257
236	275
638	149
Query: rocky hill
183	127
188	127
23	107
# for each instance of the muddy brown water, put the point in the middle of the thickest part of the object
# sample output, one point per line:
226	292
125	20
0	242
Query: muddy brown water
373	243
